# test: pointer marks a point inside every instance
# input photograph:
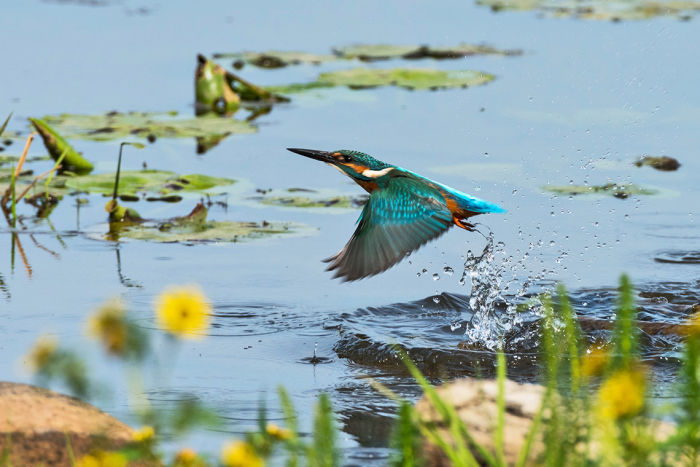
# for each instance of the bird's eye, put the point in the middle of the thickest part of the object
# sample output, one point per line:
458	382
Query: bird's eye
347	159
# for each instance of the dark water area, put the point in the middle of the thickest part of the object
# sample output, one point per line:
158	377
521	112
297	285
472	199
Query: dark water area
578	107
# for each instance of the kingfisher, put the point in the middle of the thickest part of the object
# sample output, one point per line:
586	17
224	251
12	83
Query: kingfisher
404	212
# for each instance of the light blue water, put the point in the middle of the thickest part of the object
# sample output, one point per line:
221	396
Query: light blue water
582	102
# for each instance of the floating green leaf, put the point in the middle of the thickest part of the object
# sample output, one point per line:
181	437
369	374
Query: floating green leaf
372	52
116	125
411	78
7	158
298	87
606	10
375	52
278	59
209	231
311	199
194	228
665	163
621	191
146	181
365	52
58	146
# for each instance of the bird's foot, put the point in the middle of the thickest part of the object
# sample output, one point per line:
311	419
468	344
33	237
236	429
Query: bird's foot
465	225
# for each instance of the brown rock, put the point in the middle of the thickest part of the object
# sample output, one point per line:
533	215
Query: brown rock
475	401
36	426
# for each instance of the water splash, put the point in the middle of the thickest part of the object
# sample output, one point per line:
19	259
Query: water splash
497	288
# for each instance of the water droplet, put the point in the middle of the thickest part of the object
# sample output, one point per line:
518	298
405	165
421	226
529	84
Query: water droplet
552	243
448	270
515	192
424	271
436	299
436	277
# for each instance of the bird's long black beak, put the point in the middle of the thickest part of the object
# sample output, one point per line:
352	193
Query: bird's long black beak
323	156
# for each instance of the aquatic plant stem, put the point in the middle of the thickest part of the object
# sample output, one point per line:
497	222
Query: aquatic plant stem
36	179
9	194
119	167
23	157
27	266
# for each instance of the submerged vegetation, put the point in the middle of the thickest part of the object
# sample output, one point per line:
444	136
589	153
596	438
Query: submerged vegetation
593	408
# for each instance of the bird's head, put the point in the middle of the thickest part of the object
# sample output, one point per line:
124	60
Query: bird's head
357	165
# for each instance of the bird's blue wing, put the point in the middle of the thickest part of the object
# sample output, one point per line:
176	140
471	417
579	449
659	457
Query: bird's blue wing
396	220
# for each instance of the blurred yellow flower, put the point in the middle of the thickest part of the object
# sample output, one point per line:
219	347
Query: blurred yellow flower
188	458
240	454
277	432
594	361
109	326
183	311
103	459
41	353
622	394
144	434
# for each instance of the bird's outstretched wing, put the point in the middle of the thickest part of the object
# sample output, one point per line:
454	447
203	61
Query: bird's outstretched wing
395	221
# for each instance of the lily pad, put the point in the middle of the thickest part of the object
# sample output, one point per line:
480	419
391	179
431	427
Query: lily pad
12	159
193	228
310	199
298	87
146	181
621	191
365	52
278	59
410	78
375	52
606	10
116	125
665	163
209	231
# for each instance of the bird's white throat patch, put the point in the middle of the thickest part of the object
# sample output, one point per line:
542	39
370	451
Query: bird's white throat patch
377	173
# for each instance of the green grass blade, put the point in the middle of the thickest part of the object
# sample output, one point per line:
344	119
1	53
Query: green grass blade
405	439
572	338
501	404
324	452
293	445
458	430
625	334
4	125
13	199
534	431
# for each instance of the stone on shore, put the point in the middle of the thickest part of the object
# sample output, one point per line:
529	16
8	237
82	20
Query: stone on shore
37	425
